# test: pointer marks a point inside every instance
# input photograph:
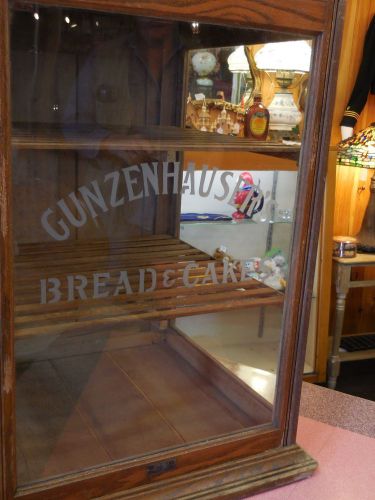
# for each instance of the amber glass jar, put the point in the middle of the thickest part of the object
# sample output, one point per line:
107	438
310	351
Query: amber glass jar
257	120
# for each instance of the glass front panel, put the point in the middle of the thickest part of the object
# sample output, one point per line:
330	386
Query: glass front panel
154	179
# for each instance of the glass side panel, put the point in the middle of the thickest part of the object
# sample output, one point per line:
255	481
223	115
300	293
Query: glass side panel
256	241
154	178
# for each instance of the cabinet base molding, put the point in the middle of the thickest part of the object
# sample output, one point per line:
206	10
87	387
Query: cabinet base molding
235	479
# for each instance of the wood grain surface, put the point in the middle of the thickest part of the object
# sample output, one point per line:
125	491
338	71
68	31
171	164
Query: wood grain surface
160	253
223	453
84	410
346	200
7	416
150	139
308	15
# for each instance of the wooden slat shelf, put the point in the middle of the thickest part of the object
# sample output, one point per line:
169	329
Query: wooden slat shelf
136	139
35	262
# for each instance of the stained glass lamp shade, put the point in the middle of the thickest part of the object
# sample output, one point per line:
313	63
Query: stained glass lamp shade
359	151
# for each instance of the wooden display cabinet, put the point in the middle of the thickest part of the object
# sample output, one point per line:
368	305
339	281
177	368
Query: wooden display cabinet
105	391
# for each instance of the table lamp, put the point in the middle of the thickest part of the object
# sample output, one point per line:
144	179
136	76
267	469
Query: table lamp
285	59
359	151
238	64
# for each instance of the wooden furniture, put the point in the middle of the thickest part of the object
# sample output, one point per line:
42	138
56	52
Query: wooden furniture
342	280
152	138
345	199
103	394
163	252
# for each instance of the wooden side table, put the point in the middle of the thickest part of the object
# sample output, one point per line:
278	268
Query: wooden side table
342	270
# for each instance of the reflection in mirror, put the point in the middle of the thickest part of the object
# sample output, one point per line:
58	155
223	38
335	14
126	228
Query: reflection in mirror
224	85
223	73
251	229
287	65
220	84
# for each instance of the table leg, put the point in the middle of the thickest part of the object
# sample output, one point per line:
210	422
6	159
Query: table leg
342	280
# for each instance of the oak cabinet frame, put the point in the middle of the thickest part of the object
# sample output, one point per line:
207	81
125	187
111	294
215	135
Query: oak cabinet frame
233	465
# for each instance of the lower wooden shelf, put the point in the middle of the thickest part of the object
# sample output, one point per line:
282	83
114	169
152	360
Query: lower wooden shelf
157	262
109	378
84	409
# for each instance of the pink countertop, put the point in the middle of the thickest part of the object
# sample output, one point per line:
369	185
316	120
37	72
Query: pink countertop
338	409
346	459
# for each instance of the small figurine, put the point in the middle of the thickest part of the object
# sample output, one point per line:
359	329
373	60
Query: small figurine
204	117
254	202
235	129
220	254
271	270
